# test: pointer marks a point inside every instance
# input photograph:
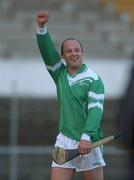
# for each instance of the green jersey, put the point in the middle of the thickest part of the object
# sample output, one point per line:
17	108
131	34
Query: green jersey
80	95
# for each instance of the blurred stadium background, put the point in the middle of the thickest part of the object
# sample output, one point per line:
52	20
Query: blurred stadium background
28	108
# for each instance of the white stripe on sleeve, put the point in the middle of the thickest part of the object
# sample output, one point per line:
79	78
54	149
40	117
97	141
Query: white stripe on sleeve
96	96
93	105
55	67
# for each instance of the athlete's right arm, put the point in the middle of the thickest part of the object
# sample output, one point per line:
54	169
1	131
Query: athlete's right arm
49	53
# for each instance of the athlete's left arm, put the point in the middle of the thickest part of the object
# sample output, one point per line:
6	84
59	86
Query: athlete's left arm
95	110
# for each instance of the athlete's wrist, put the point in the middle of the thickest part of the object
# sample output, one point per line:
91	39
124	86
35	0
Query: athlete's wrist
85	137
42	30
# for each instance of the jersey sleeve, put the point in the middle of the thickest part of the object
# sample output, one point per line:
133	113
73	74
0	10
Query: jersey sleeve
49	54
95	110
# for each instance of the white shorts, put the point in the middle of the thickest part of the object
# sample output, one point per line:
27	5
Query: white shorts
81	163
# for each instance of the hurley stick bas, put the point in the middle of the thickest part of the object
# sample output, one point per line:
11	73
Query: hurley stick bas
62	156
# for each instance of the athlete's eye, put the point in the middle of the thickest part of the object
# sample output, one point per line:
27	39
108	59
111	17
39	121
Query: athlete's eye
68	51
77	49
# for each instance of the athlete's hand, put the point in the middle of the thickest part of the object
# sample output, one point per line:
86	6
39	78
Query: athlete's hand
42	18
84	147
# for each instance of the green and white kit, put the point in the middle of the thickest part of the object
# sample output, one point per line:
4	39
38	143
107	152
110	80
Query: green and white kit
80	96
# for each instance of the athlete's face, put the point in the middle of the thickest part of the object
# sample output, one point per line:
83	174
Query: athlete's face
73	54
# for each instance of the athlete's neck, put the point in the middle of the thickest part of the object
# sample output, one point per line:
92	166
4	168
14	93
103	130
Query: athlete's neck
74	70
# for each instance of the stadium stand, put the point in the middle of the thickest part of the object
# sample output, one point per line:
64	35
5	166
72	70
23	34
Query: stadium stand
88	21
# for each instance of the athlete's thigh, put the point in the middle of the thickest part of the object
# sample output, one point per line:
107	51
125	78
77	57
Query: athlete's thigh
94	174
58	173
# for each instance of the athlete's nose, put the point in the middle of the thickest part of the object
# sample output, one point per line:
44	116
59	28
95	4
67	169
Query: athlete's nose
74	53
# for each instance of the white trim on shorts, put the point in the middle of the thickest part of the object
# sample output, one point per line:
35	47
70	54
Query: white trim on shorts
81	163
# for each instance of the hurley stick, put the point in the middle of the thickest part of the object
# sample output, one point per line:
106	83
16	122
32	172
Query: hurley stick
61	155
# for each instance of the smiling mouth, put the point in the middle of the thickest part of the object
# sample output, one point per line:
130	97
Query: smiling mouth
74	59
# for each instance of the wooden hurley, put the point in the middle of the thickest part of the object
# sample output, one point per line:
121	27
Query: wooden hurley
61	155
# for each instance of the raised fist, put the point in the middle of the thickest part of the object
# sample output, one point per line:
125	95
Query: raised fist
42	18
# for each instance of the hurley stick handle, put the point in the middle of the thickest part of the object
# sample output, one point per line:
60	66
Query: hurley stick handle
103	141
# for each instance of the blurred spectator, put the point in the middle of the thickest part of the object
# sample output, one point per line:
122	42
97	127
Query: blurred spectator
126	117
